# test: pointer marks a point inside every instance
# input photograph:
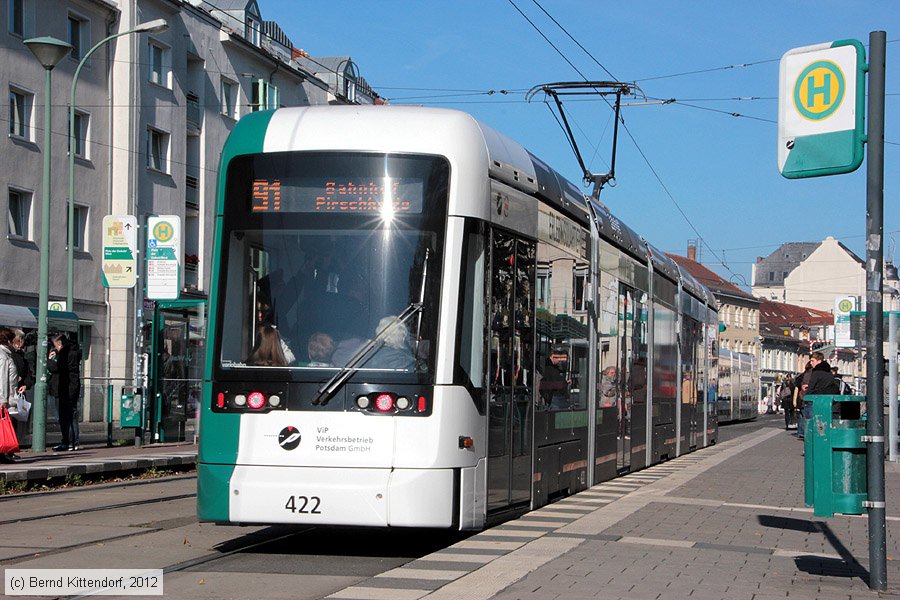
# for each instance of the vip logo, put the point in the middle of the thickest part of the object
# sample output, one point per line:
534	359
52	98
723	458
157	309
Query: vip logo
289	437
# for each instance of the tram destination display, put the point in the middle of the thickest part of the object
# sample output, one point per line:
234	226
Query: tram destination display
361	195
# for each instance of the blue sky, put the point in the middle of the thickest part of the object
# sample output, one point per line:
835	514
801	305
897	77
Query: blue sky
719	170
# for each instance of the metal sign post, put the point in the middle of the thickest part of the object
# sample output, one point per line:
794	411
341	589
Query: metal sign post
874	321
821	113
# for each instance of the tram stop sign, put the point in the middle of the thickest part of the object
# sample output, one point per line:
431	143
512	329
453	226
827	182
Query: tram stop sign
821	109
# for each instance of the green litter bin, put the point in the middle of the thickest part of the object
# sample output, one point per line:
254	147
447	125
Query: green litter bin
835	456
131	408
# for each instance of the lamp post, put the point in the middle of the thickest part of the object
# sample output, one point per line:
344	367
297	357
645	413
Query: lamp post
148	27
49	51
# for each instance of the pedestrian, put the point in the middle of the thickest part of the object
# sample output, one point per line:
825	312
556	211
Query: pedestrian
25	369
844	388
9	378
821	383
785	396
58	365
74	366
800	384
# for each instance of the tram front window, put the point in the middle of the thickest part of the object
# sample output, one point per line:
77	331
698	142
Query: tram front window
309	290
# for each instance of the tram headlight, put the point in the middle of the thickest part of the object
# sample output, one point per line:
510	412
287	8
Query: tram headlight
256	400
362	402
403	403
274	400
240	400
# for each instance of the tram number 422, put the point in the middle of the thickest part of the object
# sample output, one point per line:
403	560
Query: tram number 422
304	504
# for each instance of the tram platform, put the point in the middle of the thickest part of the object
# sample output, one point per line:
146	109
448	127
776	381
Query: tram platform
725	522
95	460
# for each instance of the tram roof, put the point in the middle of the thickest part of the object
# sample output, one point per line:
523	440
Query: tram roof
508	161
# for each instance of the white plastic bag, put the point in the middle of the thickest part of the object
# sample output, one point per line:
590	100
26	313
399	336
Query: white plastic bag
21	409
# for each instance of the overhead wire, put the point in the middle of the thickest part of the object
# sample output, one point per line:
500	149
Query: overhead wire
625	127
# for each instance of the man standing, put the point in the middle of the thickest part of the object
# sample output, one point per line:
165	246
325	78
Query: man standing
821	382
843	386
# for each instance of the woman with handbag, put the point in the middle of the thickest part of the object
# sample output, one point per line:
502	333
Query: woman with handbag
25	370
9	383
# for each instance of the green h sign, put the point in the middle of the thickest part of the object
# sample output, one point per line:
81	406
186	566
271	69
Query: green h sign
821	109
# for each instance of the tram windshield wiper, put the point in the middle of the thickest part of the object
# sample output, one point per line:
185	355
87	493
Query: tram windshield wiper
328	389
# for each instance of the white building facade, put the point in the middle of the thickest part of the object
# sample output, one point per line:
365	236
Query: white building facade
153	111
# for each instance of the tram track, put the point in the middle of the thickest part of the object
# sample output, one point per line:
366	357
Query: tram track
93	487
98	509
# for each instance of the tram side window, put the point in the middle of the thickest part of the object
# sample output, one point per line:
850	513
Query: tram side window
562	333
609	382
471	327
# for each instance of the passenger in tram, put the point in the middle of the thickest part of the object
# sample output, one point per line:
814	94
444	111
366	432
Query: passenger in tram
265	317
608	387
555	381
320	350
268	352
395	353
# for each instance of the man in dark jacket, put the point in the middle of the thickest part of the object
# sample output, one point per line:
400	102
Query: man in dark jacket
62	364
821	382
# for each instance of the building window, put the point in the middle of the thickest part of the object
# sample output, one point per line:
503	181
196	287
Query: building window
252	32
19	214
80	131
229	98
771	275
20	108
78	36
81	222
157	150
159	64
265	96
17	17
784	274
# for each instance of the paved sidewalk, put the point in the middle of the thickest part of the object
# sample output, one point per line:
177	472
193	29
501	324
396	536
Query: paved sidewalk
725	522
96	460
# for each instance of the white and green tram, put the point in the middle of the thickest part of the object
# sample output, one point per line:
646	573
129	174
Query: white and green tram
415	322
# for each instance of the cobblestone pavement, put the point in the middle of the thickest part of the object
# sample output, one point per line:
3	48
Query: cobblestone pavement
725	522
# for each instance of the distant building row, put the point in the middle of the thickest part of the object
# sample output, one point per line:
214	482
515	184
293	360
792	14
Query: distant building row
790	312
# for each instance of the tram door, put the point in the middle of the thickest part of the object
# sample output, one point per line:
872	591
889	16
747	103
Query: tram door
510	371
626	354
632	435
176	368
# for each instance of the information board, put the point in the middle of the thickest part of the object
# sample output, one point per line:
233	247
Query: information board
164	270
119	251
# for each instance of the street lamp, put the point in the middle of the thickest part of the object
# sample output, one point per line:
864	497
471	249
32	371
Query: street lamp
49	51
148	27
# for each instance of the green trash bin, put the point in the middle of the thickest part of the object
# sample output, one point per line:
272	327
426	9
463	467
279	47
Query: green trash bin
835	456
131	408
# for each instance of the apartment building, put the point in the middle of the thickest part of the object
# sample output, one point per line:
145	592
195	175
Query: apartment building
153	111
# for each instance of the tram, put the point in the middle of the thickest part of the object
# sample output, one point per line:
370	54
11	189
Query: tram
415	322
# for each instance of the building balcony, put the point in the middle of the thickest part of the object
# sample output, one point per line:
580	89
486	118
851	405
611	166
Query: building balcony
191	193
194	114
